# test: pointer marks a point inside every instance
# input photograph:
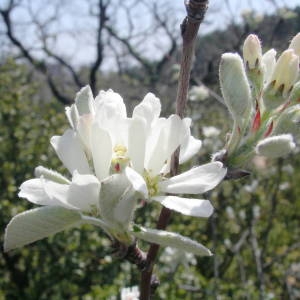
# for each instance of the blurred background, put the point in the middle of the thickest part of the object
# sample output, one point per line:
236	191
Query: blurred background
48	51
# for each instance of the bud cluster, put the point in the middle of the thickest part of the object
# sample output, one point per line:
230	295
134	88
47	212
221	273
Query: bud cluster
261	93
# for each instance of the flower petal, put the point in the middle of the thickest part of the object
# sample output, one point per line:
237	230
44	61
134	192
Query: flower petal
72	115
109	103
45	192
70	152
171	136
137	143
171	239
148	109
189	148
84	130
84	192
186	206
85	101
195	181
38	223
101	147
137	181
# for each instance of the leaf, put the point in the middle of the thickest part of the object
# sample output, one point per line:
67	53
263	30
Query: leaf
38	223
171	239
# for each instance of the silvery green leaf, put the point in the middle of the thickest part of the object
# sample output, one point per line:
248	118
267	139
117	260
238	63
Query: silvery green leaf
235	87
113	188
275	146
51	175
35	224
171	239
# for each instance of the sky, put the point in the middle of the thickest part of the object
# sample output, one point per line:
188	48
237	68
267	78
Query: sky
76	28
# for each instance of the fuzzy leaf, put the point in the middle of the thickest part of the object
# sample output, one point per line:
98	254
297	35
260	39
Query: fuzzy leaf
38	223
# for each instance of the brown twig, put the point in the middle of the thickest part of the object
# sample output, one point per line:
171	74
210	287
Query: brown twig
195	13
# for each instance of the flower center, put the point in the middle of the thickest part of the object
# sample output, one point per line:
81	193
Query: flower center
152	183
119	158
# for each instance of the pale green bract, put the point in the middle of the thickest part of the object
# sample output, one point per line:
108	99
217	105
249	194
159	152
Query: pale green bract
115	161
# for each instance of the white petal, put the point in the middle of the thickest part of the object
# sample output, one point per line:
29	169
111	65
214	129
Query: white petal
111	103
171	136
136	189
85	101
45	192
187	206
170	239
189	148
38	223
148	109
137	143
101	147
111	116
84	130
152	137
195	181
70	152
72	115
137	181
84	192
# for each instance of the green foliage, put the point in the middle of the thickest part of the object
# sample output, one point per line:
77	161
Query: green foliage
70	265
254	232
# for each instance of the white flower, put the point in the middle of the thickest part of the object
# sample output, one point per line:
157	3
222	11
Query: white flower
145	142
114	161
130	293
198	93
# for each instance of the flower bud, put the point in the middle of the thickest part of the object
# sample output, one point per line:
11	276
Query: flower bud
253	60
252	52
286	71
268	62
235	87
284	76
289	122
295	94
295	44
275	146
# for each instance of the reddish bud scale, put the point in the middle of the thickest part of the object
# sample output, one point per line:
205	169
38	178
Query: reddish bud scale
268	132
256	121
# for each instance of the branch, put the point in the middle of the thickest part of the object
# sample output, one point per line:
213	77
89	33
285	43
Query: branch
189	29
38	65
102	18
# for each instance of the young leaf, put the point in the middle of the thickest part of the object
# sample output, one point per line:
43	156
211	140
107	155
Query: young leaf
38	223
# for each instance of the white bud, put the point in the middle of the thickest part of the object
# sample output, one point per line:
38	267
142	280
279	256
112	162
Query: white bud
275	146
295	44
252	52
268	62
285	72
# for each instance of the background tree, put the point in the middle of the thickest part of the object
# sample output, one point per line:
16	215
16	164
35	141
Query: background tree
254	232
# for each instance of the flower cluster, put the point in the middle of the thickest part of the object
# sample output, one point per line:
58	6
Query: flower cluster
261	94
114	162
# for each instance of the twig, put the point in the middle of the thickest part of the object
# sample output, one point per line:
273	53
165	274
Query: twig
195	13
